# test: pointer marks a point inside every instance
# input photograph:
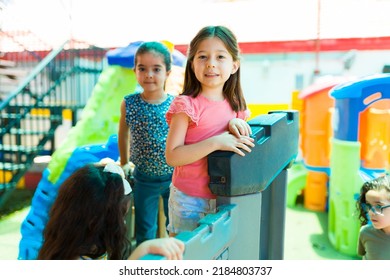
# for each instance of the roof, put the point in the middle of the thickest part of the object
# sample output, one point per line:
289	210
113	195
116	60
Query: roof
322	84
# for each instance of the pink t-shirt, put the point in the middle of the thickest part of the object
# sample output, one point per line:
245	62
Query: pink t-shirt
207	118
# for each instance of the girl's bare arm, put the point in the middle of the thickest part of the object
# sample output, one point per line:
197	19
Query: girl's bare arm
123	136
177	153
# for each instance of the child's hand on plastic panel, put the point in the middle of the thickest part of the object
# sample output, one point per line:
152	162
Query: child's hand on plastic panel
169	247
239	127
229	142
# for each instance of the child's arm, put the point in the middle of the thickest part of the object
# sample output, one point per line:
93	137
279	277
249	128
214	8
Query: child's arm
169	247
123	136
177	153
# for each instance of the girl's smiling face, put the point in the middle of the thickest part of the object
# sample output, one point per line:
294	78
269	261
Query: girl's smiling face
213	64
151	72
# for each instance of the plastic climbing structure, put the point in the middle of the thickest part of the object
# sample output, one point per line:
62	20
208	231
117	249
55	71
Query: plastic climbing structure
345	140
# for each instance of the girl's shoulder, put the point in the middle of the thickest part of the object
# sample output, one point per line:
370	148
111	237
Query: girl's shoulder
133	99
170	97
366	228
369	230
190	100
184	104
132	96
183	100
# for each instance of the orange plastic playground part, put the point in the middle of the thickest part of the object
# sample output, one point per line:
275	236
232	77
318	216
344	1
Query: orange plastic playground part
315	132
315	195
374	135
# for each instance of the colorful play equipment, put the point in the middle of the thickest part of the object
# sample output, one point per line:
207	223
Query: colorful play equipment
310	174
315	134
263	109
360	151
345	138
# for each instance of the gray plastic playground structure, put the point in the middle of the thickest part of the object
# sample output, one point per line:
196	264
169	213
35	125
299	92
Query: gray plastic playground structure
251	196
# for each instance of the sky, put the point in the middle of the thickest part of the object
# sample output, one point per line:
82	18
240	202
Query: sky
117	23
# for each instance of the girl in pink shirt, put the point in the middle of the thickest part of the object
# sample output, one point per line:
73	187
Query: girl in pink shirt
208	116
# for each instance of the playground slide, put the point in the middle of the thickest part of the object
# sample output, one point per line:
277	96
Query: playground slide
100	117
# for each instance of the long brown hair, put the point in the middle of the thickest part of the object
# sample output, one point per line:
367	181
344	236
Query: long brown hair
232	88
87	217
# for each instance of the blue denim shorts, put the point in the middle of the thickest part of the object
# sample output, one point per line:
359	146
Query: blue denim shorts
185	211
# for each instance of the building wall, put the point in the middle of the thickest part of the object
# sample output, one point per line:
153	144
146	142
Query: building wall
271	78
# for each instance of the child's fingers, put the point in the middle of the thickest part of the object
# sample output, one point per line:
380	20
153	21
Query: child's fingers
243	129
244	143
247	131
235	131
178	249
174	249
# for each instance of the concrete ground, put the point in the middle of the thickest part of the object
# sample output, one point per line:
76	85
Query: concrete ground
10	234
305	236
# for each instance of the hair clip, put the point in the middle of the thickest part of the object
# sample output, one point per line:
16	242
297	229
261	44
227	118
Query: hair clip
114	168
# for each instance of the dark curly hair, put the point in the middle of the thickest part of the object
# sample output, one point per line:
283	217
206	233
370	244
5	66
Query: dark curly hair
87	217
382	182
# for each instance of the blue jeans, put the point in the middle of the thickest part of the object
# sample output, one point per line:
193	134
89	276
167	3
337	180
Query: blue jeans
147	192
